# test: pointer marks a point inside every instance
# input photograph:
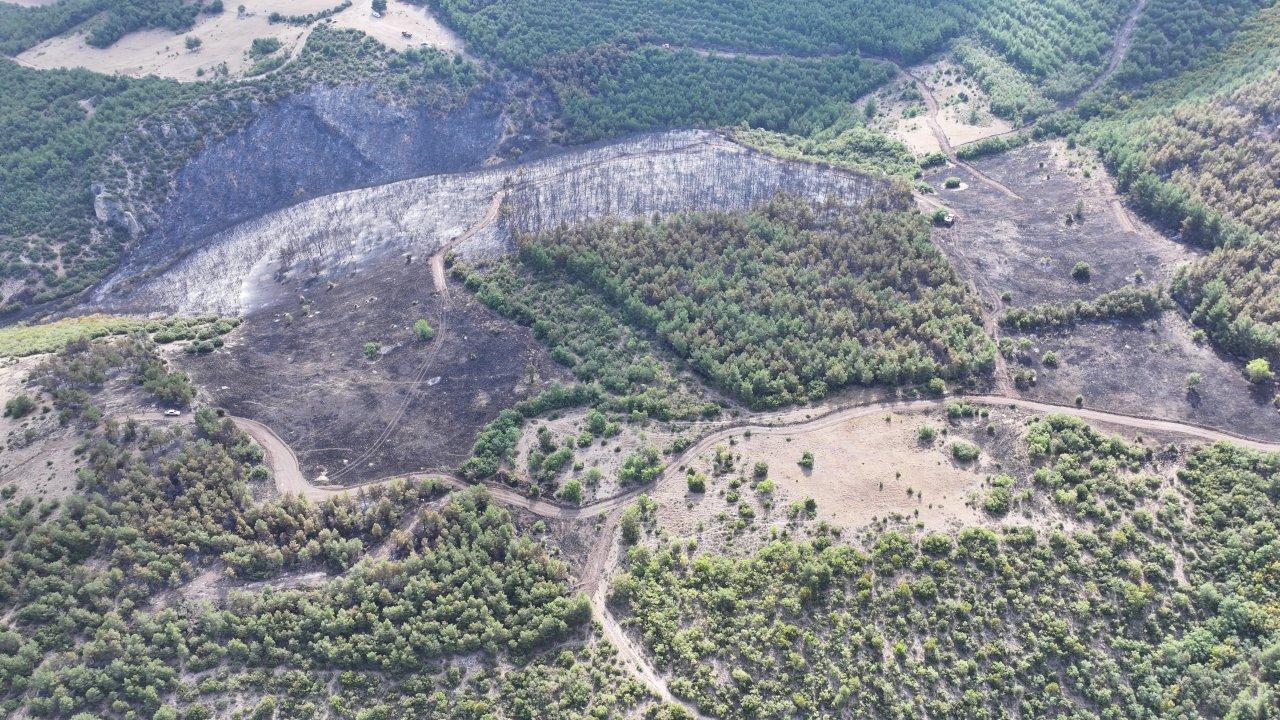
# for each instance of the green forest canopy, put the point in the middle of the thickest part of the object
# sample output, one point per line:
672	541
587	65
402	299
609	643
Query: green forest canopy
782	304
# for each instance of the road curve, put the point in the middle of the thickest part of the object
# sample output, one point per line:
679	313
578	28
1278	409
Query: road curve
290	480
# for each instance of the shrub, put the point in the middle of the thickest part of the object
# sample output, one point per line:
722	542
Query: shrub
1259	371
1082	272
19	406
999	496
263	46
1050	359
951	183
423	330
926	434
572	491
806	460
641	467
631	524
964	452
371	350
697	482
192	42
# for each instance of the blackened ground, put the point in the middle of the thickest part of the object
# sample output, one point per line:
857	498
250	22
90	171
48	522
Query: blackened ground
317	142
1026	247
1141	368
417	406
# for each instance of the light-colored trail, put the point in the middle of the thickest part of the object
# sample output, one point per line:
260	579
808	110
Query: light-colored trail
290	480
1119	51
437	260
931	119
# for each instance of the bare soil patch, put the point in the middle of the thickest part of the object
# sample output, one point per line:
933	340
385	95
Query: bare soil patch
225	38
37	456
415	406
402	26
964	114
1028	248
964	107
862	471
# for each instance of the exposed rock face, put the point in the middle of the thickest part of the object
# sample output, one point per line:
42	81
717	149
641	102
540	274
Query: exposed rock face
477	212
109	209
311	144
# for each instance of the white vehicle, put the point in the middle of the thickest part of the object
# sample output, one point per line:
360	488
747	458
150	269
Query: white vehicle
172	413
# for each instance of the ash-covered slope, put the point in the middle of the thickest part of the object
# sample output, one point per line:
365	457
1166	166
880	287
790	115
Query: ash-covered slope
665	172
314	143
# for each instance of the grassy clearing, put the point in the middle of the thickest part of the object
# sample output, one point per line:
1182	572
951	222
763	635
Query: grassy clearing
23	340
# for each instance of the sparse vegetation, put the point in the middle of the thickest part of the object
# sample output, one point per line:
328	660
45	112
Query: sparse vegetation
1081	272
1129	302
19	406
1259	371
23	340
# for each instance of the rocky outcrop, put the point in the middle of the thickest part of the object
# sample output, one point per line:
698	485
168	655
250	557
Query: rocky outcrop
109	209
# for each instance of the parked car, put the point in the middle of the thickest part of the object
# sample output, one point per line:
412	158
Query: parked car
170	412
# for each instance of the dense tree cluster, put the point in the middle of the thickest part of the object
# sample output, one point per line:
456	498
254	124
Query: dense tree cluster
521	32
121	17
1061	44
1198	159
783	304
1012	94
23	27
1159	602
1127	303
1173	35
846	142
589	336
155	507
615	90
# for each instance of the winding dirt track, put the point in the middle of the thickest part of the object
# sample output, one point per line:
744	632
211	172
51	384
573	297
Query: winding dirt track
290	480
931	119
1119	50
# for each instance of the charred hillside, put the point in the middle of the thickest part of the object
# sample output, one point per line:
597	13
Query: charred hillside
475	213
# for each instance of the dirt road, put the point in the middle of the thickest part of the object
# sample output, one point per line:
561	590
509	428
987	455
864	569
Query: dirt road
289	478
437	260
931	119
1119	49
